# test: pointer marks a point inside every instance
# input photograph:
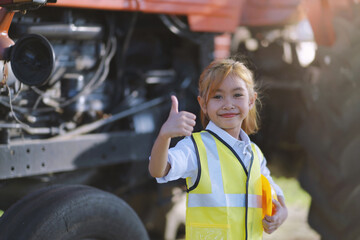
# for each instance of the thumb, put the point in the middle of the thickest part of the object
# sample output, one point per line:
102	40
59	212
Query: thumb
174	105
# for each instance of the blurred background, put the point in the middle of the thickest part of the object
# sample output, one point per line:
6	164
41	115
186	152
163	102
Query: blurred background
86	87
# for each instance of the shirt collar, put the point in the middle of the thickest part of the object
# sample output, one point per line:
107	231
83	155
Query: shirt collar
226	136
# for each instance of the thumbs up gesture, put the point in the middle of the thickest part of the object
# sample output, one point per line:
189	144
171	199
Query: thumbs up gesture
178	123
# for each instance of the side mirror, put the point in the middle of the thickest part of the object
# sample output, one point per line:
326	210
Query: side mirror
32	60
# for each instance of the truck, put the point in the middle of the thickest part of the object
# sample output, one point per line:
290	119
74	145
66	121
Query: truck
86	86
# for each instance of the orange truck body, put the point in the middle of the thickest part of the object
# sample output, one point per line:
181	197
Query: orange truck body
226	15
203	15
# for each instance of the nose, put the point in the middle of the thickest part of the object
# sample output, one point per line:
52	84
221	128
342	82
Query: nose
228	104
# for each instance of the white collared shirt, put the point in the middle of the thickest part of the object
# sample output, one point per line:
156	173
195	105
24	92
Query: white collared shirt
183	161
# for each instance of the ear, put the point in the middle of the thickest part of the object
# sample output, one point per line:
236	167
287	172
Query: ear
252	100
202	104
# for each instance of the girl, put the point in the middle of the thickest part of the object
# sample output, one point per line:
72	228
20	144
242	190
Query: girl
221	165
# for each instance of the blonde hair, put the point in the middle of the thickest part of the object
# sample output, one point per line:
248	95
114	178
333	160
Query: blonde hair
212	77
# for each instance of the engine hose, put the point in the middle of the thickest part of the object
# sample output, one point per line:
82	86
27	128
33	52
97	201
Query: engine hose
97	124
31	130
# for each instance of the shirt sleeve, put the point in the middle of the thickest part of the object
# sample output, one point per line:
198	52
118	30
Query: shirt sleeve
182	159
266	172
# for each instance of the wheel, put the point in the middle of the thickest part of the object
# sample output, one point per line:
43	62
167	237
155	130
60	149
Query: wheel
70	212
331	134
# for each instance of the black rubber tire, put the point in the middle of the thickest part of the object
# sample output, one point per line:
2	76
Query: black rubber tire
71	212
331	135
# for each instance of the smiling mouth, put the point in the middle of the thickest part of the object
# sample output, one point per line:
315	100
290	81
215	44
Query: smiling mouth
228	115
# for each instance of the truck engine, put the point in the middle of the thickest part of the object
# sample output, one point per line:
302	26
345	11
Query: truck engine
102	65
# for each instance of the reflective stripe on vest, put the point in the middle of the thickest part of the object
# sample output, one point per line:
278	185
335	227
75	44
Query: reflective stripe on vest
223	190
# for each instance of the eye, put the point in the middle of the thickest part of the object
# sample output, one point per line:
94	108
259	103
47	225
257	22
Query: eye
217	96
237	95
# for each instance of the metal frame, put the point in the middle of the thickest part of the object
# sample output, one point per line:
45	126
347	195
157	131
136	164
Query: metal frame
36	157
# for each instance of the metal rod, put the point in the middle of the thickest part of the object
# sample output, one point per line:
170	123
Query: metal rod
92	126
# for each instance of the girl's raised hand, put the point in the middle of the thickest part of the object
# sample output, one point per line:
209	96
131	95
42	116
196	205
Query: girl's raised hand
178	123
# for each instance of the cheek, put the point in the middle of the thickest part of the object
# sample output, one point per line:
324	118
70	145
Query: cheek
211	111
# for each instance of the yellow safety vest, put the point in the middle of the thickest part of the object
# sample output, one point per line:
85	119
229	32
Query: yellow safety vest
225	201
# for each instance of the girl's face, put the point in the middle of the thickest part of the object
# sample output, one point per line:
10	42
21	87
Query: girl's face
229	106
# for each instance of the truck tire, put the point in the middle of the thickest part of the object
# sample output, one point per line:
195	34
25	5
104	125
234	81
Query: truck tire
70	212
331	134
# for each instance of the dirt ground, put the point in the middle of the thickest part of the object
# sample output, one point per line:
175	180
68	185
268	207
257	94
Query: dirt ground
295	227
297	201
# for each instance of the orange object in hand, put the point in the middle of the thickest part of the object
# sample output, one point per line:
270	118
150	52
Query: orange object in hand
268	194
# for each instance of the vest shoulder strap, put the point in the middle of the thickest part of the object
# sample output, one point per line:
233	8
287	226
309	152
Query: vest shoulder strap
198	163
